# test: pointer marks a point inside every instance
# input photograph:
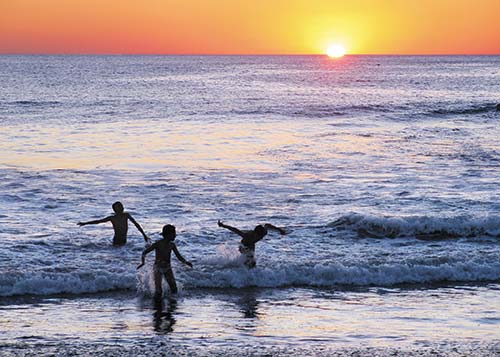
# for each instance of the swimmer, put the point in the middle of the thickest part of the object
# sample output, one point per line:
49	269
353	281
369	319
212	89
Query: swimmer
162	267
249	238
120	224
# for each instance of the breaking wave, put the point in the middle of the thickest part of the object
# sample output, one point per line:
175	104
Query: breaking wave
324	275
470	110
286	274
63	283
420	227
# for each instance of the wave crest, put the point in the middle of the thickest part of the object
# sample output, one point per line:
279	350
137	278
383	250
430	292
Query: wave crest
479	109
420	227
277	275
320	275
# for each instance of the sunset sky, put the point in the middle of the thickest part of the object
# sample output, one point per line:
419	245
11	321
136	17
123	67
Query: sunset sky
249	27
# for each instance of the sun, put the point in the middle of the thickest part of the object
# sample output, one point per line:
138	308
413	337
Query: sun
336	51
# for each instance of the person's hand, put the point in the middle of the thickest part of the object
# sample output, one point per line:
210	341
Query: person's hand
140	265
189	264
220	224
81	224
148	242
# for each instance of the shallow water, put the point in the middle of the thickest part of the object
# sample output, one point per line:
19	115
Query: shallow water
259	320
384	170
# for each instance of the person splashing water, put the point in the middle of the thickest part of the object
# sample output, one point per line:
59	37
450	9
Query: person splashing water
249	238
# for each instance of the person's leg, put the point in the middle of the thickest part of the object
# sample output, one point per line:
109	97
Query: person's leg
169	276
250	261
158	282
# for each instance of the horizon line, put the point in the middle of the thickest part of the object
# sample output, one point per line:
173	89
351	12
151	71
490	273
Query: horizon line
240	54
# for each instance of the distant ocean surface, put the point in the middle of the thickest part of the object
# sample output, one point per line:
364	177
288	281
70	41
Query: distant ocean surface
385	170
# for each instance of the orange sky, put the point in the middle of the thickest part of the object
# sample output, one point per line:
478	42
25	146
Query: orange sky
250	26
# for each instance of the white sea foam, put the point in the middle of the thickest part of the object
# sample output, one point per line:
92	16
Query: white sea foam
64	283
419	226
280	275
322	275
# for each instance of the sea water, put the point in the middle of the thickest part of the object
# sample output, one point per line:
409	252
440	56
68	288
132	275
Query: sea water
384	170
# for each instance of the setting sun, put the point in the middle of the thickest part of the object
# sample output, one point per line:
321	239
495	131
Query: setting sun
336	51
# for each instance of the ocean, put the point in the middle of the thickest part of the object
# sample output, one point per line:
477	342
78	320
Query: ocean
384	170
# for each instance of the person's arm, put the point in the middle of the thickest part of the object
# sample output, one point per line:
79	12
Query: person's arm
139	228
278	229
179	256
97	221
232	229
253	238
146	252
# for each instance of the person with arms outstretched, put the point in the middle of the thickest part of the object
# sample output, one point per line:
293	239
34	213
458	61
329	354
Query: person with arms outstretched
249	238
120	224
162	267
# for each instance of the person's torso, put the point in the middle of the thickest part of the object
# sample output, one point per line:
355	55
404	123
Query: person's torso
246	247
120	226
163	251
247	242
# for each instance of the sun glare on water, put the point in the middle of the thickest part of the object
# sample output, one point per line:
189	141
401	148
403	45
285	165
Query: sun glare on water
336	51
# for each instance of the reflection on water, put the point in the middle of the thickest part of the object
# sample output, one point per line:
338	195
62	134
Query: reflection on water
185	144
249	305
262	317
163	316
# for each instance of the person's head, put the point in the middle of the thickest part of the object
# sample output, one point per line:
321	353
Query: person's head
117	207
260	231
168	232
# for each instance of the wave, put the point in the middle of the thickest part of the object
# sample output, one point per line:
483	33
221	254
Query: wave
32	103
64	283
420	227
319	111
335	275
231	274
336	110
476	109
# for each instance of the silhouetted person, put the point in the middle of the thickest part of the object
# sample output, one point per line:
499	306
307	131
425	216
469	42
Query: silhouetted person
163	250
120	224
249	238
